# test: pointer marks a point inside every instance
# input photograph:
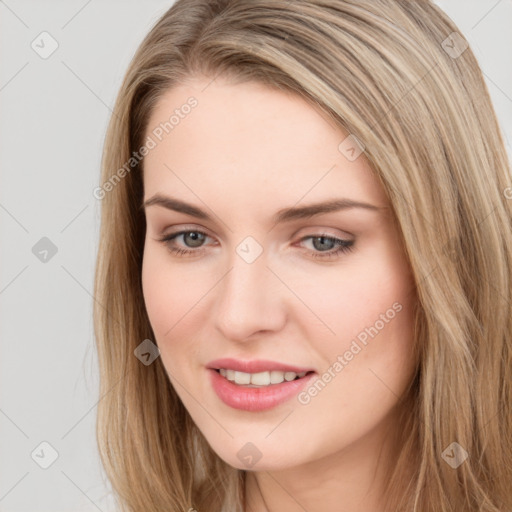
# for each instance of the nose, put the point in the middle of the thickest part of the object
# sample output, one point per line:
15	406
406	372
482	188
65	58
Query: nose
250	300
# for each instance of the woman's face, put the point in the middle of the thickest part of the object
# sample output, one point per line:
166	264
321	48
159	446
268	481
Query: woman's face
268	276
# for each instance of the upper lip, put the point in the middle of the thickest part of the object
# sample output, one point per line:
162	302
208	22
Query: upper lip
254	366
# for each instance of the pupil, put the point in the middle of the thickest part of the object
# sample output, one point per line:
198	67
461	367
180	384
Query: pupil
323	240
195	237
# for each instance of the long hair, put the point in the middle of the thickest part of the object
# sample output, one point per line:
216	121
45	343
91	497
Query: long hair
398	76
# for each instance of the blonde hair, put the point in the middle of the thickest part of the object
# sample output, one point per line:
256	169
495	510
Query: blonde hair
394	74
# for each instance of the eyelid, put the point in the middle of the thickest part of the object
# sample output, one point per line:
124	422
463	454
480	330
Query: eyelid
184	228
323	230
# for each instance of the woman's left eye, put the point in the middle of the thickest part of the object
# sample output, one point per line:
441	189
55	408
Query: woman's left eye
321	241
324	246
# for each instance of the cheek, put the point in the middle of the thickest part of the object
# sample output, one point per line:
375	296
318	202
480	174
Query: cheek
160	299
167	294
347	300
369	361
368	308
175	298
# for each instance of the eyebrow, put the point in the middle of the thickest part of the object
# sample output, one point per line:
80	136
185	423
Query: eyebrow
283	215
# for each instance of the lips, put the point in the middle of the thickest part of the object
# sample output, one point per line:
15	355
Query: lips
256	398
255	366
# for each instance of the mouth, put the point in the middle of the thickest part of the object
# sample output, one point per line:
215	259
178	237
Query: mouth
258	392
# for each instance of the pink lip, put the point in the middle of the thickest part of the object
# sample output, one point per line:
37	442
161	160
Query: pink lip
255	366
256	399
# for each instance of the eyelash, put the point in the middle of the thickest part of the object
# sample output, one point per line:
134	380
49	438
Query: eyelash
344	246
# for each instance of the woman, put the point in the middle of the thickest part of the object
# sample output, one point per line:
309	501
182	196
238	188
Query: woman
304	272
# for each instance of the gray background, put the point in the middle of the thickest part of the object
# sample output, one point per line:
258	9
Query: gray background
54	117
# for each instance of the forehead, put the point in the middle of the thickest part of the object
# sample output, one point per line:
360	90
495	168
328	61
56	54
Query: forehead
250	140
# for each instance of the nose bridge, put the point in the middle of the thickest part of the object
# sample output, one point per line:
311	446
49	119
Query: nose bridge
247	299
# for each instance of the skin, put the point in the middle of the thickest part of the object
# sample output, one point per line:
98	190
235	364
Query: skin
245	152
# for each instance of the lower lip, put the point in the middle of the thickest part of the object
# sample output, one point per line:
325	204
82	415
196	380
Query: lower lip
256	399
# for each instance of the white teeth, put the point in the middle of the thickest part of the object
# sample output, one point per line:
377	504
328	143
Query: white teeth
259	379
242	378
276	377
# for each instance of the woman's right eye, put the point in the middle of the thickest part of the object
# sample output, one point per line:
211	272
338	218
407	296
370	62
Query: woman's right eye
196	240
